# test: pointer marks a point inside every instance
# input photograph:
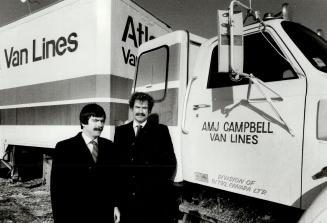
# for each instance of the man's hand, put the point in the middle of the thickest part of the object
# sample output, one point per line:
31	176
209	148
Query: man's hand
116	215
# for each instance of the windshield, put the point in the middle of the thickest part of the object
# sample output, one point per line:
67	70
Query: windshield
312	46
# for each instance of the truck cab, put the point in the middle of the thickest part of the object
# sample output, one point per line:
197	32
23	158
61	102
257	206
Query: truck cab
237	141
262	134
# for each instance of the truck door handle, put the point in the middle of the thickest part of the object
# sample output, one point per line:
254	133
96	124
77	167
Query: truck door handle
184	130
196	107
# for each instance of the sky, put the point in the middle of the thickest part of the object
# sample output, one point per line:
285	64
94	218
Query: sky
196	16
199	16
12	9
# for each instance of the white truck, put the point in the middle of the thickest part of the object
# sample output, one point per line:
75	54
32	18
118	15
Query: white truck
247	111
60	58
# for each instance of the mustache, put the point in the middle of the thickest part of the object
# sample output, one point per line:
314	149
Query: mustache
140	114
98	129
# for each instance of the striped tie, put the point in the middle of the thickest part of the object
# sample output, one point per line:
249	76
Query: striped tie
138	129
94	150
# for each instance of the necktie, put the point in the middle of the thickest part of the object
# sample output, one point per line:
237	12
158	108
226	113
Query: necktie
94	150
138	129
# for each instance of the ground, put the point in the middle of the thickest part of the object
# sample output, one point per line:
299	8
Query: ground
29	202
24	202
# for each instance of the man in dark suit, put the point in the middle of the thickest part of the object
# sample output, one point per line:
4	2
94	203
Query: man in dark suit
147	166
82	187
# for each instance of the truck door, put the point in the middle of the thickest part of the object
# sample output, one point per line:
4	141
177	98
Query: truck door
162	72
234	139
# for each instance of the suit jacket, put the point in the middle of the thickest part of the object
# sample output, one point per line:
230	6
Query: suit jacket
147	167
81	190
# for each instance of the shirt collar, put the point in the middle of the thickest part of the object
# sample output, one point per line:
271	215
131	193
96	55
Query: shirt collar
136	123
88	139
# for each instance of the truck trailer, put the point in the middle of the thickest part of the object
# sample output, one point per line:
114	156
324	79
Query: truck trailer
60	58
246	111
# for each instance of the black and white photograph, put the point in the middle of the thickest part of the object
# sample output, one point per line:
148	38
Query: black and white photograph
172	111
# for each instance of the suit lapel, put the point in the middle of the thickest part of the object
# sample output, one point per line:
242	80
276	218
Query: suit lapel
130	131
101	148
144	131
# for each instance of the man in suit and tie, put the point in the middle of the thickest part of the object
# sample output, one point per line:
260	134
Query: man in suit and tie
147	165
82	187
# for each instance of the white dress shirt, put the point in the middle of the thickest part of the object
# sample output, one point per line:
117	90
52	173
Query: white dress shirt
135	124
88	141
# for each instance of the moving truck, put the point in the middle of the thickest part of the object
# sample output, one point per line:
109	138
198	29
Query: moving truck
58	59
247	111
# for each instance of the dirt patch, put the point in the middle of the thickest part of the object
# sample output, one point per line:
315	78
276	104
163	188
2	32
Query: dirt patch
24	202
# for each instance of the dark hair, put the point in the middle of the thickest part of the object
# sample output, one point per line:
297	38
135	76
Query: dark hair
142	97
91	110
153	117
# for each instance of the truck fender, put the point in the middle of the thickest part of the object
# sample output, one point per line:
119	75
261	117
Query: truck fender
317	211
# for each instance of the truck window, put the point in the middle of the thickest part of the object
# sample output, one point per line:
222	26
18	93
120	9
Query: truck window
158	74
321	120
312	46
153	65
260	58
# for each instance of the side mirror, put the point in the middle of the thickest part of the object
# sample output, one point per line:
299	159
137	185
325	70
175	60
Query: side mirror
230	42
